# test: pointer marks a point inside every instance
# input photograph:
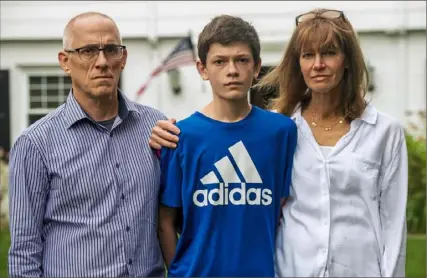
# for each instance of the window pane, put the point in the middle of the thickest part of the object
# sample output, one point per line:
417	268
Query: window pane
68	88
33	118
35	92
67	80
35	80
36	99
52	79
66	92
52	104
35	104
52	92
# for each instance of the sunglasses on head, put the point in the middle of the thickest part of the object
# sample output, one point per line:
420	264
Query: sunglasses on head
330	14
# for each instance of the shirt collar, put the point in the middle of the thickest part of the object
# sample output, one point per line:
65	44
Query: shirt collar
74	112
296	115
369	115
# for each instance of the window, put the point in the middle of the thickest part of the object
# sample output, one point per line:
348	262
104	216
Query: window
46	92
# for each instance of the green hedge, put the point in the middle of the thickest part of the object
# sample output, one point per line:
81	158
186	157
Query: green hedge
416	207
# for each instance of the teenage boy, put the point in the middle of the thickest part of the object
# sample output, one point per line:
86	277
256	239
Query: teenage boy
227	183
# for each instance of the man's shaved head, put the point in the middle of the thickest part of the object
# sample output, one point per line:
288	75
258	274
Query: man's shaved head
95	76
69	29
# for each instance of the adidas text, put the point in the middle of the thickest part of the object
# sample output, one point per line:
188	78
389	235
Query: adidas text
222	196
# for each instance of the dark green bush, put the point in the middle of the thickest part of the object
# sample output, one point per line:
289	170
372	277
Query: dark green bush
416	207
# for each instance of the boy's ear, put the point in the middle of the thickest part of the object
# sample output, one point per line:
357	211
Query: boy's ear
202	70
257	68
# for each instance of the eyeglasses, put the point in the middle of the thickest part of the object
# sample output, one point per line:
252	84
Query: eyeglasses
329	14
87	53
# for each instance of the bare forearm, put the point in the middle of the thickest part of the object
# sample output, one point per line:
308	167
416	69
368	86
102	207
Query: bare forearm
168	240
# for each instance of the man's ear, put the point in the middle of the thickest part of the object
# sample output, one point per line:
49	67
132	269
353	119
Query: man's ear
124	59
202	70
257	68
64	61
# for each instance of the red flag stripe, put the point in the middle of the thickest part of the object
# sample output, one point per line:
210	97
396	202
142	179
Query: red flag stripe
185	53
175	65
177	58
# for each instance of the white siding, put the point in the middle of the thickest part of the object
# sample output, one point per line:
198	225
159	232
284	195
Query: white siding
45	19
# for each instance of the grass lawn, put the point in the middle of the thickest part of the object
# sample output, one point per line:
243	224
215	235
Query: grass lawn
4	247
415	257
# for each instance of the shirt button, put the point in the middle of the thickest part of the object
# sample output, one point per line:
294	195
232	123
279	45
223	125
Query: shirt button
117	165
130	261
123	196
127	228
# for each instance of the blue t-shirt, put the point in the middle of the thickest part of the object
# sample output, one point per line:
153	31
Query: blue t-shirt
228	179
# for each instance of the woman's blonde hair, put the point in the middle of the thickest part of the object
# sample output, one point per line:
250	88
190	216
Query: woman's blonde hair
319	33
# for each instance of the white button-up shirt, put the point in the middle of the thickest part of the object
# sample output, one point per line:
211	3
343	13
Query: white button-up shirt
346	212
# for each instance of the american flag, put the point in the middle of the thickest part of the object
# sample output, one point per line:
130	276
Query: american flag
182	54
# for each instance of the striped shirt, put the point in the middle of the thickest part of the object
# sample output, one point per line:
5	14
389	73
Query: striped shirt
84	200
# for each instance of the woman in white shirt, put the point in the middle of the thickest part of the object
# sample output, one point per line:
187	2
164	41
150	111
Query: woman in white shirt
346	214
346	211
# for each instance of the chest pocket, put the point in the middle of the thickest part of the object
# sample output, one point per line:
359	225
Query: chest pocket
364	175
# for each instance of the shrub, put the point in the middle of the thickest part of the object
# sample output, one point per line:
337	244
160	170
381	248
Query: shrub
416	207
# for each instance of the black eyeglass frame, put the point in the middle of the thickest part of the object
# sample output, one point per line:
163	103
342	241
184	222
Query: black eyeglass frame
77	50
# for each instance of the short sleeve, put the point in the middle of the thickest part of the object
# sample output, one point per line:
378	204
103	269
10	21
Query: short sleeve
171	178
291	144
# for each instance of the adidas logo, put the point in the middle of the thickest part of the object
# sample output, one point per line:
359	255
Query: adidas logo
242	195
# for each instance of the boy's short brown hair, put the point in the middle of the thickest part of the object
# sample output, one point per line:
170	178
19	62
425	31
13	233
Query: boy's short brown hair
226	29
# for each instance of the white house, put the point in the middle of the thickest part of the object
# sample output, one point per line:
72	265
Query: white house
392	35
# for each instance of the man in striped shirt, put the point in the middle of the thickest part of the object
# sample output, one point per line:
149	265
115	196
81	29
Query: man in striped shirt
83	181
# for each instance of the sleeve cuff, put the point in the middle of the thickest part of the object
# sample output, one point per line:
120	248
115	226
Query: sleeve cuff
170	203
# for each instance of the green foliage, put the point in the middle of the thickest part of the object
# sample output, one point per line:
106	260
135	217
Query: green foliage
416	207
